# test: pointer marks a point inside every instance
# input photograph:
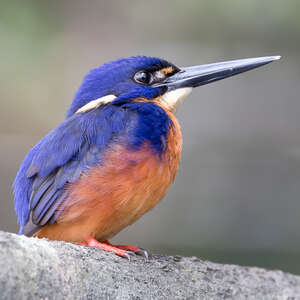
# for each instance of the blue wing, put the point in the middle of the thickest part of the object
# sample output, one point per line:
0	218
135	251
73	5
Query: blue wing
61	157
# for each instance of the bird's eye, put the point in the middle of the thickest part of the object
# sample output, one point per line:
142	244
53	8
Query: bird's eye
143	77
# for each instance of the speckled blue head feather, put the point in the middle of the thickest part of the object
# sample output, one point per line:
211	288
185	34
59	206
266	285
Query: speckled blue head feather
116	78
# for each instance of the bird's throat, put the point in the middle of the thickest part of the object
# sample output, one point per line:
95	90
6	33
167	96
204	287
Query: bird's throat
172	99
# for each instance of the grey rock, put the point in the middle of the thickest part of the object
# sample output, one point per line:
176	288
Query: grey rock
33	268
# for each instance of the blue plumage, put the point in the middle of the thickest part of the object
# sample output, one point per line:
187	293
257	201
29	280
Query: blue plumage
153	126
77	144
115	78
121	134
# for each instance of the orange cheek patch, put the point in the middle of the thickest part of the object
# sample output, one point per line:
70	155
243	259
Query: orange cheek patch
167	71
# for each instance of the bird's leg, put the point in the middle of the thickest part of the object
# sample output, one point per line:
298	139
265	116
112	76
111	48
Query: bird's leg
91	242
124	247
135	249
121	250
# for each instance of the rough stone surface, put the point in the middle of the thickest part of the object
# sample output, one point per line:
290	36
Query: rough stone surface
38	269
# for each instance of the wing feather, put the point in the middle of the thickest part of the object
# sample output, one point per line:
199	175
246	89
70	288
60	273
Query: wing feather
60	158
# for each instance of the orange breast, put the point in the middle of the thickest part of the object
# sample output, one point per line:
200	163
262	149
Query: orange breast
110	197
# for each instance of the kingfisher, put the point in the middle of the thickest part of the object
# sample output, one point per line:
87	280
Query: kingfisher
116	153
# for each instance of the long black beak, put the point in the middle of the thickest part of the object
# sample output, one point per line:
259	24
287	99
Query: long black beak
204	74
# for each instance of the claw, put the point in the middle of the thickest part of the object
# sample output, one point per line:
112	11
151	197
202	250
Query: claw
142	252
127	255
133	249
127	247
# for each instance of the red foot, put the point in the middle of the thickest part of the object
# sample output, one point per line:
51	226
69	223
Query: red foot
124	247
91	242
121	250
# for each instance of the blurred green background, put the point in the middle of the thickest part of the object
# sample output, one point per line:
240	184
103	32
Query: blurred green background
236	196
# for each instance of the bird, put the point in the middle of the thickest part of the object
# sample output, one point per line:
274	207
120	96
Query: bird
116	153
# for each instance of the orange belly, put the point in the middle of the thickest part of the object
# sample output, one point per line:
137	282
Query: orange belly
112	196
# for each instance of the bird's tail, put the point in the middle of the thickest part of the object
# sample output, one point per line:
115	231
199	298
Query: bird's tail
30	229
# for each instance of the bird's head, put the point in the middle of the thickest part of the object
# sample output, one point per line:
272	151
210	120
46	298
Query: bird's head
149	78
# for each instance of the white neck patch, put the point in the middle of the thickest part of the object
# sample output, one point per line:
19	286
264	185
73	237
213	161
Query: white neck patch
96	103
172	99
